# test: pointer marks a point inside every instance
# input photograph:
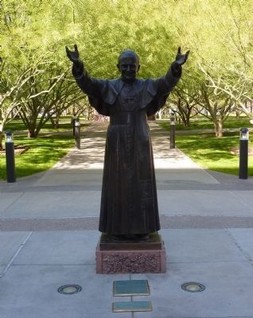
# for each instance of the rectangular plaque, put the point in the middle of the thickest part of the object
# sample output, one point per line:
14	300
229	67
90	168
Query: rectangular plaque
131	288
126	306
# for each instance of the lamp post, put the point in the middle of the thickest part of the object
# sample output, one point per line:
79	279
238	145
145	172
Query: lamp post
172	130
73	120
10	157
243	160
77	133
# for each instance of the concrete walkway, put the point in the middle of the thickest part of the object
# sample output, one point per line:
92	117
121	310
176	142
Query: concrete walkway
48	237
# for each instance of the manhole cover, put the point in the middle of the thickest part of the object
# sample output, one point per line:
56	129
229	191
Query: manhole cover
193	287
69	289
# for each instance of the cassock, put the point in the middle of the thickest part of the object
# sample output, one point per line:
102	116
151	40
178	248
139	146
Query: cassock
129	196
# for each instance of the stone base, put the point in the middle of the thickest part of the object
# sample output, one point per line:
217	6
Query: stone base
114	257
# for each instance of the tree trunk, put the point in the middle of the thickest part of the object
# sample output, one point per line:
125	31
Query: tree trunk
31	133
218	127
151	117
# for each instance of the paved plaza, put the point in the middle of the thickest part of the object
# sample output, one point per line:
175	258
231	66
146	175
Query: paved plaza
48	238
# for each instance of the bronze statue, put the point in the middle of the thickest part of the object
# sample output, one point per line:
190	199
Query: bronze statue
129	208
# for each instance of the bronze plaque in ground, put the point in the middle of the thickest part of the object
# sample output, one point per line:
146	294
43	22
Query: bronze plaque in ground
131	288
126	306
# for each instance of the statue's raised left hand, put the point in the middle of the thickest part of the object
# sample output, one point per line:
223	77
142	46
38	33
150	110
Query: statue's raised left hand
73	55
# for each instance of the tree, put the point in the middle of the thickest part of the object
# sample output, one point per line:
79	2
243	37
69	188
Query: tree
222	54
11	86
46	100
33	79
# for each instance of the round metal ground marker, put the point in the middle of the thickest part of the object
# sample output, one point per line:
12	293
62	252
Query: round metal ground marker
193	287
69	289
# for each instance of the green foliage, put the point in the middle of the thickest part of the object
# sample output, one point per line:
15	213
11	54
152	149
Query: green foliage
112	26
219	35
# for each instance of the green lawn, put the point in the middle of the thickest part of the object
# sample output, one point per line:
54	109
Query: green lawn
42	152
218	154
210	152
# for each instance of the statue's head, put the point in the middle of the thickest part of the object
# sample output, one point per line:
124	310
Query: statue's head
128	65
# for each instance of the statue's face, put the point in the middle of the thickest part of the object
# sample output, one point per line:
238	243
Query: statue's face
128	66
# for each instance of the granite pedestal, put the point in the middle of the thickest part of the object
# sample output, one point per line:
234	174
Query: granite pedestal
147	256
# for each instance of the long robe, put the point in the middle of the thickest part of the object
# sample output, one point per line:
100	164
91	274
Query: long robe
129	196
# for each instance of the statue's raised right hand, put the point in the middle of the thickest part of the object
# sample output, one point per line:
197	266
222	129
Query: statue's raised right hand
73	55
181	58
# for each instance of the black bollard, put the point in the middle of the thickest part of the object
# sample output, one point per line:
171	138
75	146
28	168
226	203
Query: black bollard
77	133
243	160
10	157
73	121
172	130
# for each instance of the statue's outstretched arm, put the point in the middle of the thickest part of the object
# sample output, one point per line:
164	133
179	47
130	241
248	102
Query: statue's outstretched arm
90	86
166	84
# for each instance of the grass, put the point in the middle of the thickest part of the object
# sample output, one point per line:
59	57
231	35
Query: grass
199	123
42	152
218	154
210	152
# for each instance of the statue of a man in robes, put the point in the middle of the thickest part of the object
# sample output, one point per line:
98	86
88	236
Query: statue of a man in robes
129	208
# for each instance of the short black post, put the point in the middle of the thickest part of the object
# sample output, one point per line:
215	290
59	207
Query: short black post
10	157
73	121
243	160
172	130
77	134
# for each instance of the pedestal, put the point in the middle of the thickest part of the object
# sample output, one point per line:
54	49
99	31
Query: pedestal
114	257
